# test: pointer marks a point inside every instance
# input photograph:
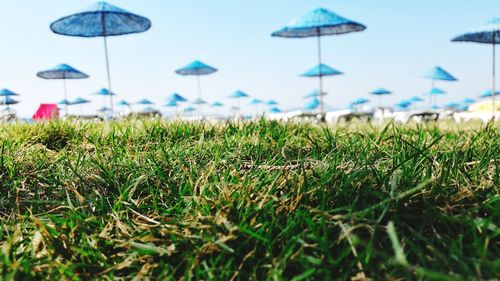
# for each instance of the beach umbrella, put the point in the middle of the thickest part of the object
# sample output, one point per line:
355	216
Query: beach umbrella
317	23
312	94
198	101
437	73
104	93
380	92
403	104
172	103
433	93
320	71
272	102
217	104
8	101
176	97
189	109
64	102
80	101
196	68
144	102
238	95
468	101
101	20
416	99
360	101
7	94
62	72
452	105
488	94
104	109
313	104
486	34
275	110
123	103
357	102
255	102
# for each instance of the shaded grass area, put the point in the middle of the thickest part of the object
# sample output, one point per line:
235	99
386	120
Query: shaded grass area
262	200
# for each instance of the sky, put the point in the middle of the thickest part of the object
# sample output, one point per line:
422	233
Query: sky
402	40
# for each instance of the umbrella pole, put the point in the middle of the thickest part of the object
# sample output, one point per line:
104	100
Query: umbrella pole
65	97
109	75
493	93
321	105
430	93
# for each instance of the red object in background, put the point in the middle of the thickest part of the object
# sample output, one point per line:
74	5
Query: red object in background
46	112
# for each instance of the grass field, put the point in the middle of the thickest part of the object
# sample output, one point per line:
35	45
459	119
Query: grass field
259	201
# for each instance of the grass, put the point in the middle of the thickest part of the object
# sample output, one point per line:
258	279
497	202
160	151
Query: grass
263	200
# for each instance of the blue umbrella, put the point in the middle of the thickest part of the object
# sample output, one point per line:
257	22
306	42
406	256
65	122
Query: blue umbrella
104	109
80	101
463	107
189	109
380	92
62	72
238	95
6	93
360	101
8	101
176	97
468	101
272	102
255	102
172	103
486	34
64	102
123	103
217	104
144	102
437	73
313	104
317	23
403	104
199	101
101	20
452	105
197	68
312	94
104	92
321	70
488	94
416	99
275	110
435	91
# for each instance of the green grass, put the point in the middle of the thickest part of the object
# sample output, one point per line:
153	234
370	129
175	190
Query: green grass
262	200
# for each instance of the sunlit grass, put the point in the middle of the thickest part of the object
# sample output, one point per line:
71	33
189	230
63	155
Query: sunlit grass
261	200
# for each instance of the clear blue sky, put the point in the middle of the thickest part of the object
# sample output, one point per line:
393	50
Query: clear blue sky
402	40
